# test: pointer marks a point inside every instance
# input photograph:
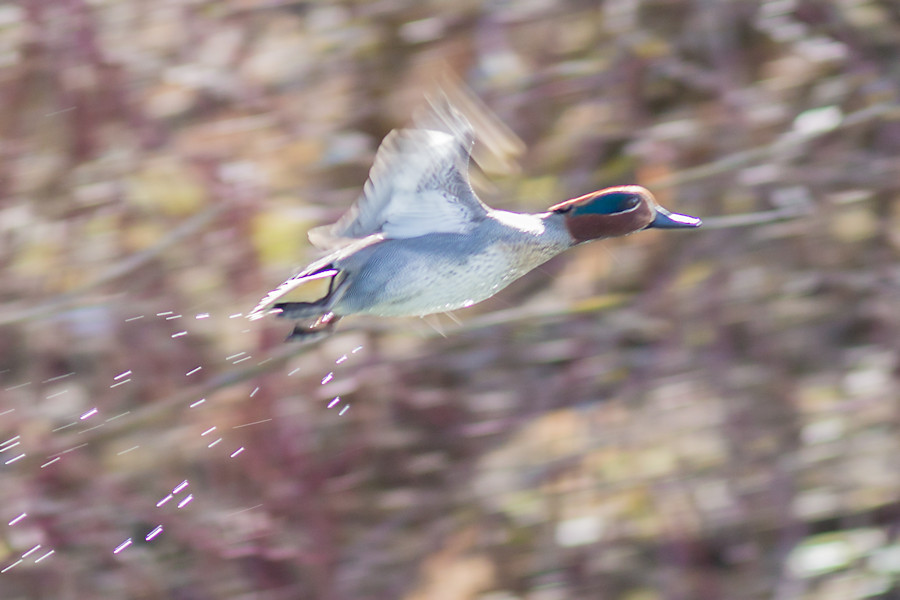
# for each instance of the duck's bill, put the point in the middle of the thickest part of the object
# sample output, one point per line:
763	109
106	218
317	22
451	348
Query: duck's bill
669	220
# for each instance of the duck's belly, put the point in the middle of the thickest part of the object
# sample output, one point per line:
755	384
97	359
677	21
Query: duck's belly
412	279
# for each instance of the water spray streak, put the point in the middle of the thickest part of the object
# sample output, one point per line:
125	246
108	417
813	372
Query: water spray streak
11	566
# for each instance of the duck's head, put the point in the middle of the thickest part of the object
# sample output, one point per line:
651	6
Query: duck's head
617	211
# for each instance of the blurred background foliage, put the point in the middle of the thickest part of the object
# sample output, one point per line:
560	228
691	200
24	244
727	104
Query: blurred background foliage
706	414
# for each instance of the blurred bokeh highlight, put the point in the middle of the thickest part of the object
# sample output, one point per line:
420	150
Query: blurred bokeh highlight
678	415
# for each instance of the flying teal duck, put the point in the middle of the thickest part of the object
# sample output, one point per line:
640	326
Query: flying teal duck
419	241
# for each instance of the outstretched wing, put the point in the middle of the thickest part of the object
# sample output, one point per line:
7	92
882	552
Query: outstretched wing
418	184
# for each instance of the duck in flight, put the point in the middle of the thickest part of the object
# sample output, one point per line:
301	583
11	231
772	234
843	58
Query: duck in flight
419	241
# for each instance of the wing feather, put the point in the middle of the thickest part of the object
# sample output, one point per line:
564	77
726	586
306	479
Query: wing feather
418	184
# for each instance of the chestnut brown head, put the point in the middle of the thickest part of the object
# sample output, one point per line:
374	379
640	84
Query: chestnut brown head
617	211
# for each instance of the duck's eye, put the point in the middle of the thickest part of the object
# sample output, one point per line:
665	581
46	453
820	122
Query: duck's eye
630	202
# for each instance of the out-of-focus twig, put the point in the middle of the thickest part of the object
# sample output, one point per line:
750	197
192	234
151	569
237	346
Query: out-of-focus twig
787	141
757	218
124	267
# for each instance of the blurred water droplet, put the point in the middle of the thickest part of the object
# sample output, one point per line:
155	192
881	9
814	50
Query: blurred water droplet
122	546
118	416
14	459
57	378
328	378
10	441
156	531
11	566
251	423
73	448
